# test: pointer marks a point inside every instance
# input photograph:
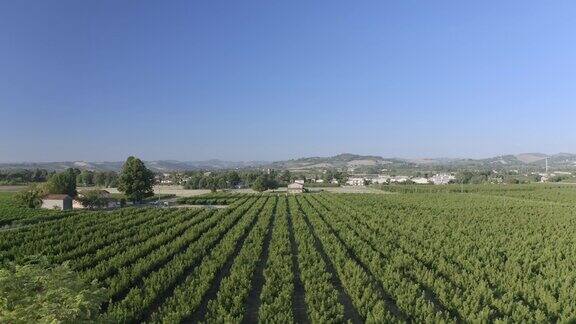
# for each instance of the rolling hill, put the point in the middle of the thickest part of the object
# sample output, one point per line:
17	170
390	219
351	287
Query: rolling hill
345	161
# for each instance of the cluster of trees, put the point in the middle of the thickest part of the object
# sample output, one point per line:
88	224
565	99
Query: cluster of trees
331	174
264	182
58	183
488	176
136	182
93	199
215	180
14	177
258	180
104	179
83	177
559	178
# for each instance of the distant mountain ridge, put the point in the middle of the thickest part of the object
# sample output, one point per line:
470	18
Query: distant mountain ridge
345	161
340	161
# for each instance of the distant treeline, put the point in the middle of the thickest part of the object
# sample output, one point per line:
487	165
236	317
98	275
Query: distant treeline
14	177
257	180
83	177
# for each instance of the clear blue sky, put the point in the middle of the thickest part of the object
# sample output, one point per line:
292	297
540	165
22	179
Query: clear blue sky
266	80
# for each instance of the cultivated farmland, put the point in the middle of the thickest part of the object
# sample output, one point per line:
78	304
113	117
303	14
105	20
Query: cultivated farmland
477	256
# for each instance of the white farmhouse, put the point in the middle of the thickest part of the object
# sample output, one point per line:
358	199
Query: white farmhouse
381	179
61	202
399	179
357	181
295	187
420	180
442	178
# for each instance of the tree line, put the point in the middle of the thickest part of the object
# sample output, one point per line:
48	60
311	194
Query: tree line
135	181
259	180
255	179
85	178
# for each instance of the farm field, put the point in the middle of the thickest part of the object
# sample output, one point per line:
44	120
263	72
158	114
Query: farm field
491	253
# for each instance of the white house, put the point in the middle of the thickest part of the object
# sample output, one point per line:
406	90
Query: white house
399	179
420	180
381	179
299	181
355	181
61	202
442	178
295	187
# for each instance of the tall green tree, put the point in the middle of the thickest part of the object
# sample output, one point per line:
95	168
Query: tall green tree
85	178
62	183
94	199
233	178
259	184
286	176
264	182
100	179
136	181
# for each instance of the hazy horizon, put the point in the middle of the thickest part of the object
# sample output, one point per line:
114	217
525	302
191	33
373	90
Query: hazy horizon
294	158
191	81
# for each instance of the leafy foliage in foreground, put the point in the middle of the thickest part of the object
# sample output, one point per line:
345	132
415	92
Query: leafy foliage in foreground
37	292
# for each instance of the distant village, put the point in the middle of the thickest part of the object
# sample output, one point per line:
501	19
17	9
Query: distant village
96	196
359	179
351	180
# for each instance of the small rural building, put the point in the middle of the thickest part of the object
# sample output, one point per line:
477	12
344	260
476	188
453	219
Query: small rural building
420	180
442	178
299	181
357	181
381	179
61	202
294	188
399	179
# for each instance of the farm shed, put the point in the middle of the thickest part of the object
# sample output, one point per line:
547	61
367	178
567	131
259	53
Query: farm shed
62	202
295	188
